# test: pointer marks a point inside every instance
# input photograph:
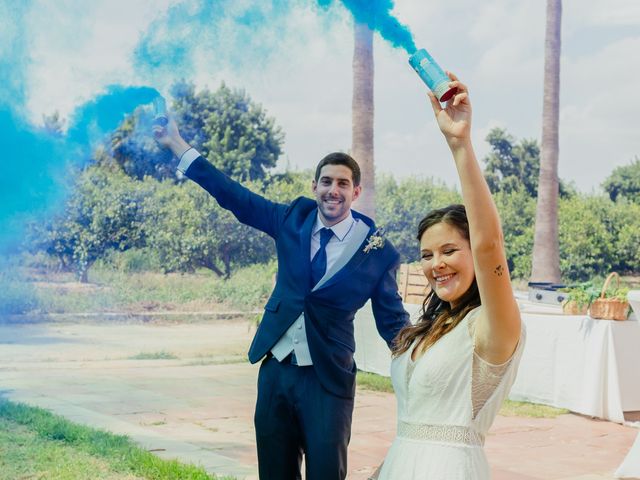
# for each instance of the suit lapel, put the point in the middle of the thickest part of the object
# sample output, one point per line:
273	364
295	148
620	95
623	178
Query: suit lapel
305	242
351	257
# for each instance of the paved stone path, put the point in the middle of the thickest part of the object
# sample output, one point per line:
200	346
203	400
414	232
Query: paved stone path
198	407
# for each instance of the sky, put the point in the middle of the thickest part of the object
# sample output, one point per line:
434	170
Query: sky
294	58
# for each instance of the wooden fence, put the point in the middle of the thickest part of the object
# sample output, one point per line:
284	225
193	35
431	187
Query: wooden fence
412	283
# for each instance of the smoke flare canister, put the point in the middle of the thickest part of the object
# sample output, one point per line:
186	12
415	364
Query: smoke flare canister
160	110
431	74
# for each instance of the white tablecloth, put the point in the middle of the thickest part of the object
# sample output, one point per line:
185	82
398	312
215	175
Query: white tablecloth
630	467
587	366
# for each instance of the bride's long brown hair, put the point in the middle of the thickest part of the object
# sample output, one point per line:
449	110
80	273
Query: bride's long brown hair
438	317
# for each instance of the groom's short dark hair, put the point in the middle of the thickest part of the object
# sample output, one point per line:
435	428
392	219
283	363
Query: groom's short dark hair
340	158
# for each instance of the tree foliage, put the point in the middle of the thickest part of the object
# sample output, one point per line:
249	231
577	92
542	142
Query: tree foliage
517	212
624	182
102	213
188	229
229	129
514	165
226	127
401	205
130	199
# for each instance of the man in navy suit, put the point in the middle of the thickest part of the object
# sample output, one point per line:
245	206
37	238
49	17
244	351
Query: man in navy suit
331	261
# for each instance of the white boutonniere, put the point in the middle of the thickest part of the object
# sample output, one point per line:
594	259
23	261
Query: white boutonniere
375	241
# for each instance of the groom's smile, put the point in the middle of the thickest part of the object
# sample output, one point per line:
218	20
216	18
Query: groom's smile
335	192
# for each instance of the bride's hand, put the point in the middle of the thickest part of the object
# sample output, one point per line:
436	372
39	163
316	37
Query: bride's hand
455	119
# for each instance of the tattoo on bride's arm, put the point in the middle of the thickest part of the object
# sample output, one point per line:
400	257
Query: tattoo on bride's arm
499	270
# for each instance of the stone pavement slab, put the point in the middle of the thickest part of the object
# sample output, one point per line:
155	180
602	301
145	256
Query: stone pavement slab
199	406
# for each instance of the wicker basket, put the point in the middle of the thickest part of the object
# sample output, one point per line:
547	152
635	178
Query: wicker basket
570	307
609	308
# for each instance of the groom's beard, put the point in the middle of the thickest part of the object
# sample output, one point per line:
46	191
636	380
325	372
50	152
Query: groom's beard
333	208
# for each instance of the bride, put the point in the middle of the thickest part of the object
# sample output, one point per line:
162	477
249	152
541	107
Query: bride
453	369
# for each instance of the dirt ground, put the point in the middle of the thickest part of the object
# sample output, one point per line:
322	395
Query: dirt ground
185	390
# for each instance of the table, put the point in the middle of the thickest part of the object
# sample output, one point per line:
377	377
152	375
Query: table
575	362
630	466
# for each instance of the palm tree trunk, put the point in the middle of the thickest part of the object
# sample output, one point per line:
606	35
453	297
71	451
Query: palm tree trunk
546	250
362	116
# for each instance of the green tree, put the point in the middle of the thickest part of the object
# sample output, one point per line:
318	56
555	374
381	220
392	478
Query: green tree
226	126
401	206
189	230
511	165
585	242
102	213
515	165
286	187
621	219
624	182
517	212
229	129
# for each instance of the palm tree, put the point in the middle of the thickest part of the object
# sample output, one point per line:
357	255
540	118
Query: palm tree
362	115
546	250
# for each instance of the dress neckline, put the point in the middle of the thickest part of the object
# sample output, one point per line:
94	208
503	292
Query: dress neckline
414	346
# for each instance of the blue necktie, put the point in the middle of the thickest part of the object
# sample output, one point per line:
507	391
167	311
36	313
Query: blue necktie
319	262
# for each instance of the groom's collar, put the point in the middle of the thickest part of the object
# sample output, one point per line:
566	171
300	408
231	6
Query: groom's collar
340	229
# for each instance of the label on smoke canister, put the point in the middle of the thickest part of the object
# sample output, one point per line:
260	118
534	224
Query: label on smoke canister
440	89
430	72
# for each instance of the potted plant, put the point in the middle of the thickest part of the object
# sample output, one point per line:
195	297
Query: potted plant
579	297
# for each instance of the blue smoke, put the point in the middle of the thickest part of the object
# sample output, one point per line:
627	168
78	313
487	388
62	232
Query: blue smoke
376	14
36	166
28	176
37	163
13	51
94	119
223	33
240	35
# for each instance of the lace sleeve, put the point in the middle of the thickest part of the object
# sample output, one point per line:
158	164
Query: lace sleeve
485	377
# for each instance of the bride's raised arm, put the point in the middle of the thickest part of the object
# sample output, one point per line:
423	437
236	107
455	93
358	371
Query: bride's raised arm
498	325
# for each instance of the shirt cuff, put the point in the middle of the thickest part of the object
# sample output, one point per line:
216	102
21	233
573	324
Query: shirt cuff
187	159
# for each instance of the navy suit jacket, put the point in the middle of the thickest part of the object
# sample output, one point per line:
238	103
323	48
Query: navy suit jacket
328	310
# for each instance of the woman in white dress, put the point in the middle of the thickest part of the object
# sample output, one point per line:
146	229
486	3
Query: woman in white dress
453	369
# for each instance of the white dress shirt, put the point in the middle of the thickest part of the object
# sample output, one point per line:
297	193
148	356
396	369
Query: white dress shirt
295	338
186	159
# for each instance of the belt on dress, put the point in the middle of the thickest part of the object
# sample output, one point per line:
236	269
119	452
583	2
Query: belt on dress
440	433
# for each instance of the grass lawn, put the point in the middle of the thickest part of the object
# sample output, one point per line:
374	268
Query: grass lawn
510	408
32	290
24	454
36	444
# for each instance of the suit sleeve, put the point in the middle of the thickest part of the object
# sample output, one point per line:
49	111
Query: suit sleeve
248	207
387	307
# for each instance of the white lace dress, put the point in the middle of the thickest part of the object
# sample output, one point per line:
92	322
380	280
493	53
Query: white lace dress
447	400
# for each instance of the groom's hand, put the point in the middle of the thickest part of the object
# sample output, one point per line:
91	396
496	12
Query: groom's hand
169	137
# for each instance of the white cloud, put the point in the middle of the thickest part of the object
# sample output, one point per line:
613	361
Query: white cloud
611	13
79	47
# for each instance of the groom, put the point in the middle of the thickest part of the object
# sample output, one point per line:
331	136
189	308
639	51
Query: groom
331	261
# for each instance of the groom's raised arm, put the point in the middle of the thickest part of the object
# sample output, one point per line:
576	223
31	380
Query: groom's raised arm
248	207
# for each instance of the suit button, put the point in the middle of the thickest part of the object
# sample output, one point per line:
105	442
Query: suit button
299	326
296	341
